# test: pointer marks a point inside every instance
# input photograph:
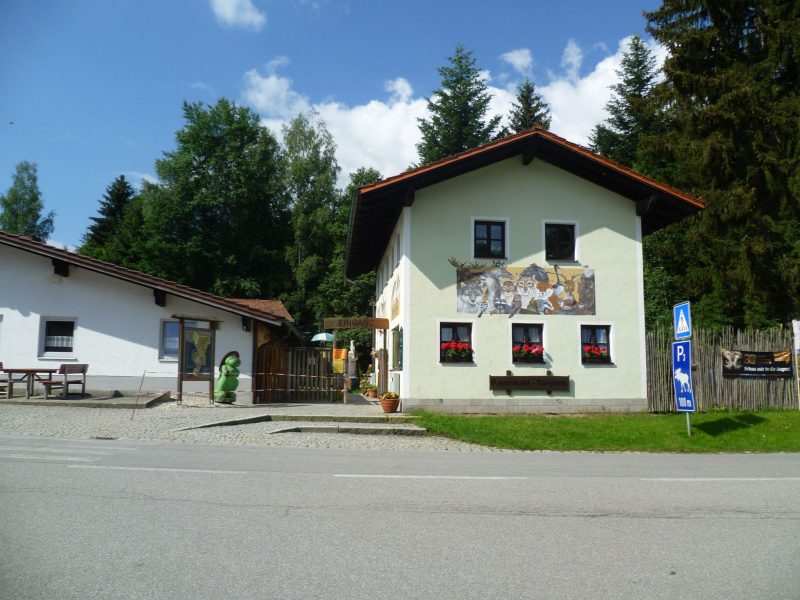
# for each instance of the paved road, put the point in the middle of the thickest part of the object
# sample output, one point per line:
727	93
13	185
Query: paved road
125	519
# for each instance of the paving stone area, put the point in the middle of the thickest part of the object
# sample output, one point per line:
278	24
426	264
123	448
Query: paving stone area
162	423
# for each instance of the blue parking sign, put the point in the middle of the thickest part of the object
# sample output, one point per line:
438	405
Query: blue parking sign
682	376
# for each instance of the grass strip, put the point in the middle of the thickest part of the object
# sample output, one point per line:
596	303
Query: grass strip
714	431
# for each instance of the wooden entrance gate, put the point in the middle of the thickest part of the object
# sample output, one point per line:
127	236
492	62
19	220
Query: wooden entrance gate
286	374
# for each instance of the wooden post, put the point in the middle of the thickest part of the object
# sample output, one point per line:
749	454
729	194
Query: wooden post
180	361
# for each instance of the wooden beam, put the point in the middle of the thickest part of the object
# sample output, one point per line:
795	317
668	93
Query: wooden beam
60	267
160	297
529	153
643	207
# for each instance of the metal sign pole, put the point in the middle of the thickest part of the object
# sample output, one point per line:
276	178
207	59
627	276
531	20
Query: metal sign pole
688	425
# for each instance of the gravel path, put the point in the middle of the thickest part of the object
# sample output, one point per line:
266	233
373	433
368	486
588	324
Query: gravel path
161	424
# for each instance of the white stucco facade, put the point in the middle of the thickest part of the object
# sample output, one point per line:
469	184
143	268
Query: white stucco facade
417	291
117	326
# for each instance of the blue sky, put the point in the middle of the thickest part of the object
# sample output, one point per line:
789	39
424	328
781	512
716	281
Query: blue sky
94	88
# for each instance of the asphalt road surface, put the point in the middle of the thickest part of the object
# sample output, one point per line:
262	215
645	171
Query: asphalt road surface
116	519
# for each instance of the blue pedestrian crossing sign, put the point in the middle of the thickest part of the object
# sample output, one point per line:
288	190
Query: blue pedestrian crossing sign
682	376
682	321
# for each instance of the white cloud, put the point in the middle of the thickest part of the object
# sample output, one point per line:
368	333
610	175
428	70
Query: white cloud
61	245
137	178
383	133
521	60
571	59
203	87
238	13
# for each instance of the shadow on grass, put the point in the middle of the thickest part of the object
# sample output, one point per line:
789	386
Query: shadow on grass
726	424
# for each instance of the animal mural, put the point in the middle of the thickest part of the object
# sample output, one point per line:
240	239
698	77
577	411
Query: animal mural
495	289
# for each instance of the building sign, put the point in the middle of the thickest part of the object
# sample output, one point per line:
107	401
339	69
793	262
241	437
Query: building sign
740	363
548	383
533	290
355	323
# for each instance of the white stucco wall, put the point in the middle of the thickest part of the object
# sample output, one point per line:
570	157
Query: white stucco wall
118	325
609	241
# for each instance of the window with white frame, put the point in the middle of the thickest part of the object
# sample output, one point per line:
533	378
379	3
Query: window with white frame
559	241
527	344
59	336
595	343
170	340
455	342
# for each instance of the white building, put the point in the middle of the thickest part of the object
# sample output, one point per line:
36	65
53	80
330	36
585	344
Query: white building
59	307
512	276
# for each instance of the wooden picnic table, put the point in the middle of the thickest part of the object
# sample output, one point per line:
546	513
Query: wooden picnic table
29	376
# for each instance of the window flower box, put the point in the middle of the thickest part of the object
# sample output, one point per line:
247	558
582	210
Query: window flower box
595	354
528	353
455	352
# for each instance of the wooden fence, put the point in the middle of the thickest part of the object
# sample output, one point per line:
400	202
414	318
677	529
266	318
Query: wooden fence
711	389
296	375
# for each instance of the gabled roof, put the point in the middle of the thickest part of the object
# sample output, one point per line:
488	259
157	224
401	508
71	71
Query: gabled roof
376	207
269	311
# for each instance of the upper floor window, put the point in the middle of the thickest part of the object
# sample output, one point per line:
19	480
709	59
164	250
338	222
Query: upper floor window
559	241
489	239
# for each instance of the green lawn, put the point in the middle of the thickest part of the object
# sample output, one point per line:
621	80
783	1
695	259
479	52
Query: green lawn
716	431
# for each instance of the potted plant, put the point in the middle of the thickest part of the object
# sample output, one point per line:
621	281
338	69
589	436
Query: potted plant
595	354
528	353
369	390
390	402
455	352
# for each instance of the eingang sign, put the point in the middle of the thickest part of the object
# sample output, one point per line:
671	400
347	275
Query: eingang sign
355	323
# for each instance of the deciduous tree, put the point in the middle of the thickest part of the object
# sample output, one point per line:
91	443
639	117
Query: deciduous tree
22	205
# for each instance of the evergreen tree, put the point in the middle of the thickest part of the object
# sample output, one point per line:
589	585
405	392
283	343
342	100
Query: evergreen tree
105	227
457	110
731	98
22	205
632	110
529	110
310	179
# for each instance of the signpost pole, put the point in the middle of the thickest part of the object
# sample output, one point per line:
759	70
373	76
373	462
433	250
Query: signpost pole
688	425
796	355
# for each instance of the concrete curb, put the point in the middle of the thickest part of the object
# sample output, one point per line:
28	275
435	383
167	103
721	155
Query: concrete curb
399	420
357	429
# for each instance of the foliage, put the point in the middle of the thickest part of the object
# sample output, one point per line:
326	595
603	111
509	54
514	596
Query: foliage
528	352
310	179
716	431
529	110
218	218
461	351
98	240
732	114
22	205
632	110
457	110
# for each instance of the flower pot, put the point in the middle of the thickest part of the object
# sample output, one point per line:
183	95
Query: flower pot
390	405
371	394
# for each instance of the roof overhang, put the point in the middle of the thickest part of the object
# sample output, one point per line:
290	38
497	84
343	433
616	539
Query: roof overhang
377	207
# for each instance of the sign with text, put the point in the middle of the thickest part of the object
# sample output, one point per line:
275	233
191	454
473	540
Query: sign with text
682	376
548	383
355	323
741	363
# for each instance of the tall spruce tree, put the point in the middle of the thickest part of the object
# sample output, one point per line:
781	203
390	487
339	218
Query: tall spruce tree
22	205
101	233
529	110
457	110
731	98
632	110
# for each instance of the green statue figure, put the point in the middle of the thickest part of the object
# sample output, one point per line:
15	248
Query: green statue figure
225	390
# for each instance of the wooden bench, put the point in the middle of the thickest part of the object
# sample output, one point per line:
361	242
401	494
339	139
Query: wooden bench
6	387
66	376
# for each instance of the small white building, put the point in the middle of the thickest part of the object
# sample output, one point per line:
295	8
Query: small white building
512	276
59	307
